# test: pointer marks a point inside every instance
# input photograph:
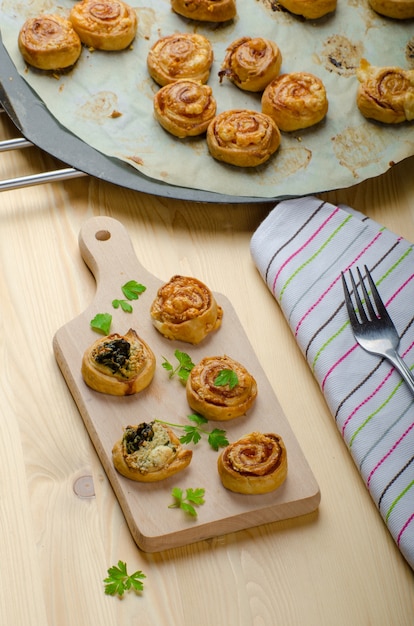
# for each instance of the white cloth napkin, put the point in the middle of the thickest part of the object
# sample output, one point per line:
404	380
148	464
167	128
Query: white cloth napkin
300	250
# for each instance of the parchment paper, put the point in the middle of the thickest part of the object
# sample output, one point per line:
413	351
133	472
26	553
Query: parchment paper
340	151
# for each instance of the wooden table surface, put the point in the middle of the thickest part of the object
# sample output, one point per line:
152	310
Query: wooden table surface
60	523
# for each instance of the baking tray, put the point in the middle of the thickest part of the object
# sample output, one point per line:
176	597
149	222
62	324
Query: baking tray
38	126
343	150
108	252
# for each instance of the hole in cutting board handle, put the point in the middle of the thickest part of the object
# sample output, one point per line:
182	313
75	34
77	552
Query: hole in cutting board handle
102	235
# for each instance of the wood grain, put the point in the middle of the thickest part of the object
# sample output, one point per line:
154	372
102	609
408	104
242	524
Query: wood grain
107	250
338	565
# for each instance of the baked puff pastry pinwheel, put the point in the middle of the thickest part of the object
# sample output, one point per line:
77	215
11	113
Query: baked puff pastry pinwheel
185	309
255	464
49	42
205	10
309	9
219	388
106	25
251	63
182	55
295	101
149	452
185	108
119	365
385	94
397	9
242	137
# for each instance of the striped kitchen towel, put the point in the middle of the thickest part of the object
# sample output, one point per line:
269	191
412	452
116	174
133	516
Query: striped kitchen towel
300	250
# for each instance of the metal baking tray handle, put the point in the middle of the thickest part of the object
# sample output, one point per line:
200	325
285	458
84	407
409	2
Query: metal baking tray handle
33	179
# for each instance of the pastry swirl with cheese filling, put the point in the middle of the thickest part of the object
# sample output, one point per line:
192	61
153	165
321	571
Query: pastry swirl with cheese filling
251	63
220	388
185	108
294	101
205	10
242	137
309	9
49	42
105	25
182	55
385	94
255	464
119	365
185	309
149	452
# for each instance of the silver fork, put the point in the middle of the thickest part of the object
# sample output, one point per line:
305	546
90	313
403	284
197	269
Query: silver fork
372	327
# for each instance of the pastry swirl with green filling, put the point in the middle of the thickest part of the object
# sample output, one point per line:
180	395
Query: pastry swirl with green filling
119	365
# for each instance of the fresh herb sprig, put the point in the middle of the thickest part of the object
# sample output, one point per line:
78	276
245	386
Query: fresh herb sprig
101	323
184	366
182	369
123	304
132	291
193	433
226	377
118	580
188	500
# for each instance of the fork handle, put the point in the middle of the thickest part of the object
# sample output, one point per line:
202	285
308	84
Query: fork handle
402	368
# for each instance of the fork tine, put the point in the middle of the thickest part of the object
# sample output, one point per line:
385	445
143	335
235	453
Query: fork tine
367	299
360	306
348	302
382	311
378	335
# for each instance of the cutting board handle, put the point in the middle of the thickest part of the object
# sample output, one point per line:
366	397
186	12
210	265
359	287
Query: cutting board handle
108	252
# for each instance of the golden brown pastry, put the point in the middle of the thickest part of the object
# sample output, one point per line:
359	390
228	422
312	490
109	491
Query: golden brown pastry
185	108
185	309
294	101
219	388
149	452
105	25
205	10
182	55
49	42
119	365
310	9
251	64
397	9
242	137
385	94
255	464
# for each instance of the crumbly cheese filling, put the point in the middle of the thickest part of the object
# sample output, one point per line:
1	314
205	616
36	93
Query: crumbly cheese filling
152	454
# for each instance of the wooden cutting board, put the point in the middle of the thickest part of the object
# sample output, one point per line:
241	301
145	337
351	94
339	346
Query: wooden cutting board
108	252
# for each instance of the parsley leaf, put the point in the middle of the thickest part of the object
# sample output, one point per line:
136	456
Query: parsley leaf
188	501
132	290
125	306
226	377
216	437
101	323
183	369
118	580
192	435
197	419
